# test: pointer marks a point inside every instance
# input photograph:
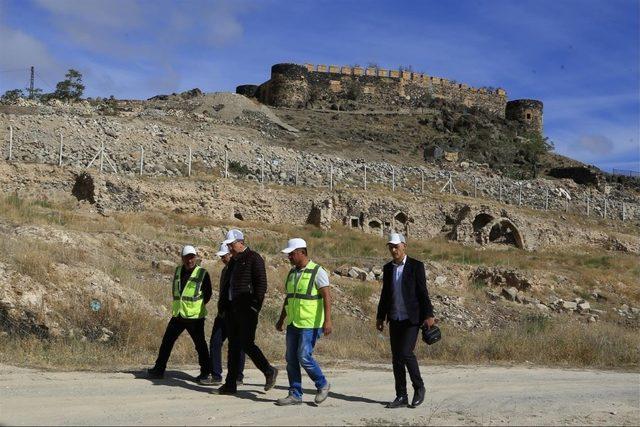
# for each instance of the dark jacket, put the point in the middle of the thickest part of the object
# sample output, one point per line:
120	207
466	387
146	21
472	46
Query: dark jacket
247	278
414	291
223	297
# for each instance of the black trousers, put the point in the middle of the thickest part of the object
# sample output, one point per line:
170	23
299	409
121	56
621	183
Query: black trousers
242	322
403	336
219	333
195	328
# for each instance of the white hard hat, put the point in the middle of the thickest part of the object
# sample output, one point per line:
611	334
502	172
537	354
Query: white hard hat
233	235
396	238
294	244
223	250
189	250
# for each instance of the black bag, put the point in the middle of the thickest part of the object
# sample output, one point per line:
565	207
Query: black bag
431	335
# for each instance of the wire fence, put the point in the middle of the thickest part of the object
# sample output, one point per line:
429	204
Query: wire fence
258	164
624	172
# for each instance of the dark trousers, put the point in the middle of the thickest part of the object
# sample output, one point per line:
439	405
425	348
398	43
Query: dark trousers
195	328
242	324
219	333
403	337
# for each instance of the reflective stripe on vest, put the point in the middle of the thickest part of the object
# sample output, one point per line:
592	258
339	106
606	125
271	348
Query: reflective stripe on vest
305	306
189	304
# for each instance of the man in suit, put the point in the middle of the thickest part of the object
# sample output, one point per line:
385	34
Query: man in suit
405	305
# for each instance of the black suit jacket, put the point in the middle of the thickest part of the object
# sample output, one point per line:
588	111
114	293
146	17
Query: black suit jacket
414	291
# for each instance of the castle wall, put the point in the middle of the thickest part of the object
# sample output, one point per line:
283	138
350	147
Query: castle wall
294	86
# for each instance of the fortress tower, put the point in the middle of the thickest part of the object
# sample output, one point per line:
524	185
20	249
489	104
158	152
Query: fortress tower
527	112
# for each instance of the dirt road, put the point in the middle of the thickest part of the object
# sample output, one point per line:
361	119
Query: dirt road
456	395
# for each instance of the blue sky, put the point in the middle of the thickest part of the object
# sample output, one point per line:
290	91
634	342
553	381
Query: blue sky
581	58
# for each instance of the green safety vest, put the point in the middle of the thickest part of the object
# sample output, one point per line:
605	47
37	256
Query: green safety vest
305	306
189	304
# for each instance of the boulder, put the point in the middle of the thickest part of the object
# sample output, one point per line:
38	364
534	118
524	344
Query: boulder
584	306
357	273
510	293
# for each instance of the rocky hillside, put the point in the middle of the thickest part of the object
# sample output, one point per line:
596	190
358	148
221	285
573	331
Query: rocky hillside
86	255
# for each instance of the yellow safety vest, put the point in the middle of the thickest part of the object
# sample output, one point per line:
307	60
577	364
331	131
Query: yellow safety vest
189	304
305	306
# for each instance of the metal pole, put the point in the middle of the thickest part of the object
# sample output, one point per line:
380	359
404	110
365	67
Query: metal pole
393	178
500	190
101	156
141	160
624	216
422	181
588	197
546	200
10	141
520	194
450	184
605	208
365	177
296	173
475	186
60	153
226	164
262	172
331	176
189	163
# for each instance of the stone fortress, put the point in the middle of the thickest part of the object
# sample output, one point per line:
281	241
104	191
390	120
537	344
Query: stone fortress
303	86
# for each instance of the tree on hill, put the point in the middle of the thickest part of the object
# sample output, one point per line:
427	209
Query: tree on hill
11	96
69	89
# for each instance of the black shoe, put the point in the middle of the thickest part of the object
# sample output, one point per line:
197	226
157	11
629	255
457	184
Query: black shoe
398	402
239	382
155	374
271	379
418	397
225	389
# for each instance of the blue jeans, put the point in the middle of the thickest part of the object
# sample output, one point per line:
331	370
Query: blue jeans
300	343
218	335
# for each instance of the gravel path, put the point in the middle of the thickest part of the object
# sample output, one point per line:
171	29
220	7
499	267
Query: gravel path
456	395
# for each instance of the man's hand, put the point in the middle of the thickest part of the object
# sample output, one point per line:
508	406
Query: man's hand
280	324
327	328
380	325
429	322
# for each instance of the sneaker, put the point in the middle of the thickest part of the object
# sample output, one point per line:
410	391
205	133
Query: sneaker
216	380
225	389
322	394
203	379
289	400
239	382
271	379
155	374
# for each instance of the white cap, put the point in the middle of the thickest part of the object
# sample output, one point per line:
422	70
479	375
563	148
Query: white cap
223	250
189	250
233	235
396	238
294	244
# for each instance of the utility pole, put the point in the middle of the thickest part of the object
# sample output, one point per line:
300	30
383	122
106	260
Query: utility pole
31	83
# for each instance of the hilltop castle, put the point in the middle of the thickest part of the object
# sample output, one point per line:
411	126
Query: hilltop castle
299	86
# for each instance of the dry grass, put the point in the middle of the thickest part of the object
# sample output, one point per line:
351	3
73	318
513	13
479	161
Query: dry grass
561	341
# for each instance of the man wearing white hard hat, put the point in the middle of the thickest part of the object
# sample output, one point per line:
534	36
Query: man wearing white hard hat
220	332
247	287
191	291
307	309
405	305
